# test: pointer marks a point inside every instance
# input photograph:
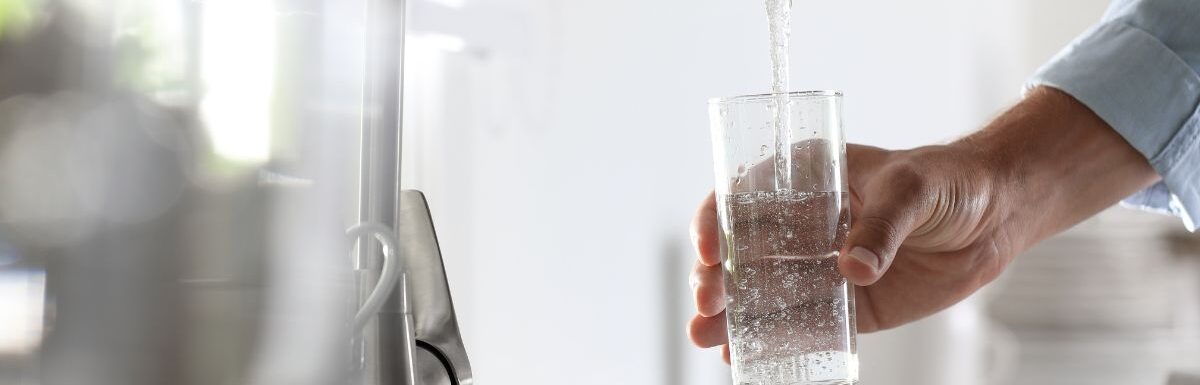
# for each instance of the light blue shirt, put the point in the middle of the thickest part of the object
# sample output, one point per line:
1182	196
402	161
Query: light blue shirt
1139	70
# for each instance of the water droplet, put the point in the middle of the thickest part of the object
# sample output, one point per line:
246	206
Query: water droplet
762	151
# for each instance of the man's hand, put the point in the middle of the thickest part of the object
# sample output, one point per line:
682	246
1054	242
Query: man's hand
932	225
913	217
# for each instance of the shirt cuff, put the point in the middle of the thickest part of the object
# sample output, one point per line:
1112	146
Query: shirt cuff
1150	96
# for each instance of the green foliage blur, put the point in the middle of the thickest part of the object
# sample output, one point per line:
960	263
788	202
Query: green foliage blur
15	15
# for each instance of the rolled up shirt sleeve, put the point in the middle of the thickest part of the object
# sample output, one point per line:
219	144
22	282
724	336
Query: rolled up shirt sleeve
1139	70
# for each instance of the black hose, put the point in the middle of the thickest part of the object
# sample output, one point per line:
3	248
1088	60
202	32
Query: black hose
441	358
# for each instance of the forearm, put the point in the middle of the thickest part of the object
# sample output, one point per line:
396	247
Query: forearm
1139	70
1055	163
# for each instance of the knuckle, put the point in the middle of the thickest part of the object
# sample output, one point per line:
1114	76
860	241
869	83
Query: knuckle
908	180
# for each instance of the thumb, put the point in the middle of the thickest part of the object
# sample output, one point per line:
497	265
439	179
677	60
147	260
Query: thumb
886	219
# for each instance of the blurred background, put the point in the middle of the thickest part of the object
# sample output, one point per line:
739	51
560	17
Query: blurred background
175	176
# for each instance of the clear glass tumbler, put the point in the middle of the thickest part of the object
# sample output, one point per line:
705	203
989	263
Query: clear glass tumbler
784	216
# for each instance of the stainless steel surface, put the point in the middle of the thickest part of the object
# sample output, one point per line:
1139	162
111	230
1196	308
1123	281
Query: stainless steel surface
435	324
387	345
398	345
180	246
419	310
379	165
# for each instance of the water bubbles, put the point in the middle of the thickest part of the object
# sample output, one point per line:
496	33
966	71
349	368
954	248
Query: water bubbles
762	151
785	315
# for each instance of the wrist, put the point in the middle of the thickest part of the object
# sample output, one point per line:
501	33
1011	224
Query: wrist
1052	163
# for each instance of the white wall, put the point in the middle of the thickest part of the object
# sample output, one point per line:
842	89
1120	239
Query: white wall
565	146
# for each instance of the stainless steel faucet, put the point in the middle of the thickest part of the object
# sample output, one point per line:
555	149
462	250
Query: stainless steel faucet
439	356
407	327
417	340
167	264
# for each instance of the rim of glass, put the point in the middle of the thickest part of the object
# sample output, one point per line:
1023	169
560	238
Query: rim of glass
765	97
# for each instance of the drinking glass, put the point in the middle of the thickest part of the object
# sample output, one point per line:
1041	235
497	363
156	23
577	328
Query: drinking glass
784	216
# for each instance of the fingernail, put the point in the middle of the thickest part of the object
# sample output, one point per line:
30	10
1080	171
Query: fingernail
865	256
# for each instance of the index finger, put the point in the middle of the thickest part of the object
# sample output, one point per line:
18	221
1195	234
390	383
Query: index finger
704	232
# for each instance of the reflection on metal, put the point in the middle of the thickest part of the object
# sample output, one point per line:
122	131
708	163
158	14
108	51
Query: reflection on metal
436	326
417	340
381	351
21	293
238	73
185	192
